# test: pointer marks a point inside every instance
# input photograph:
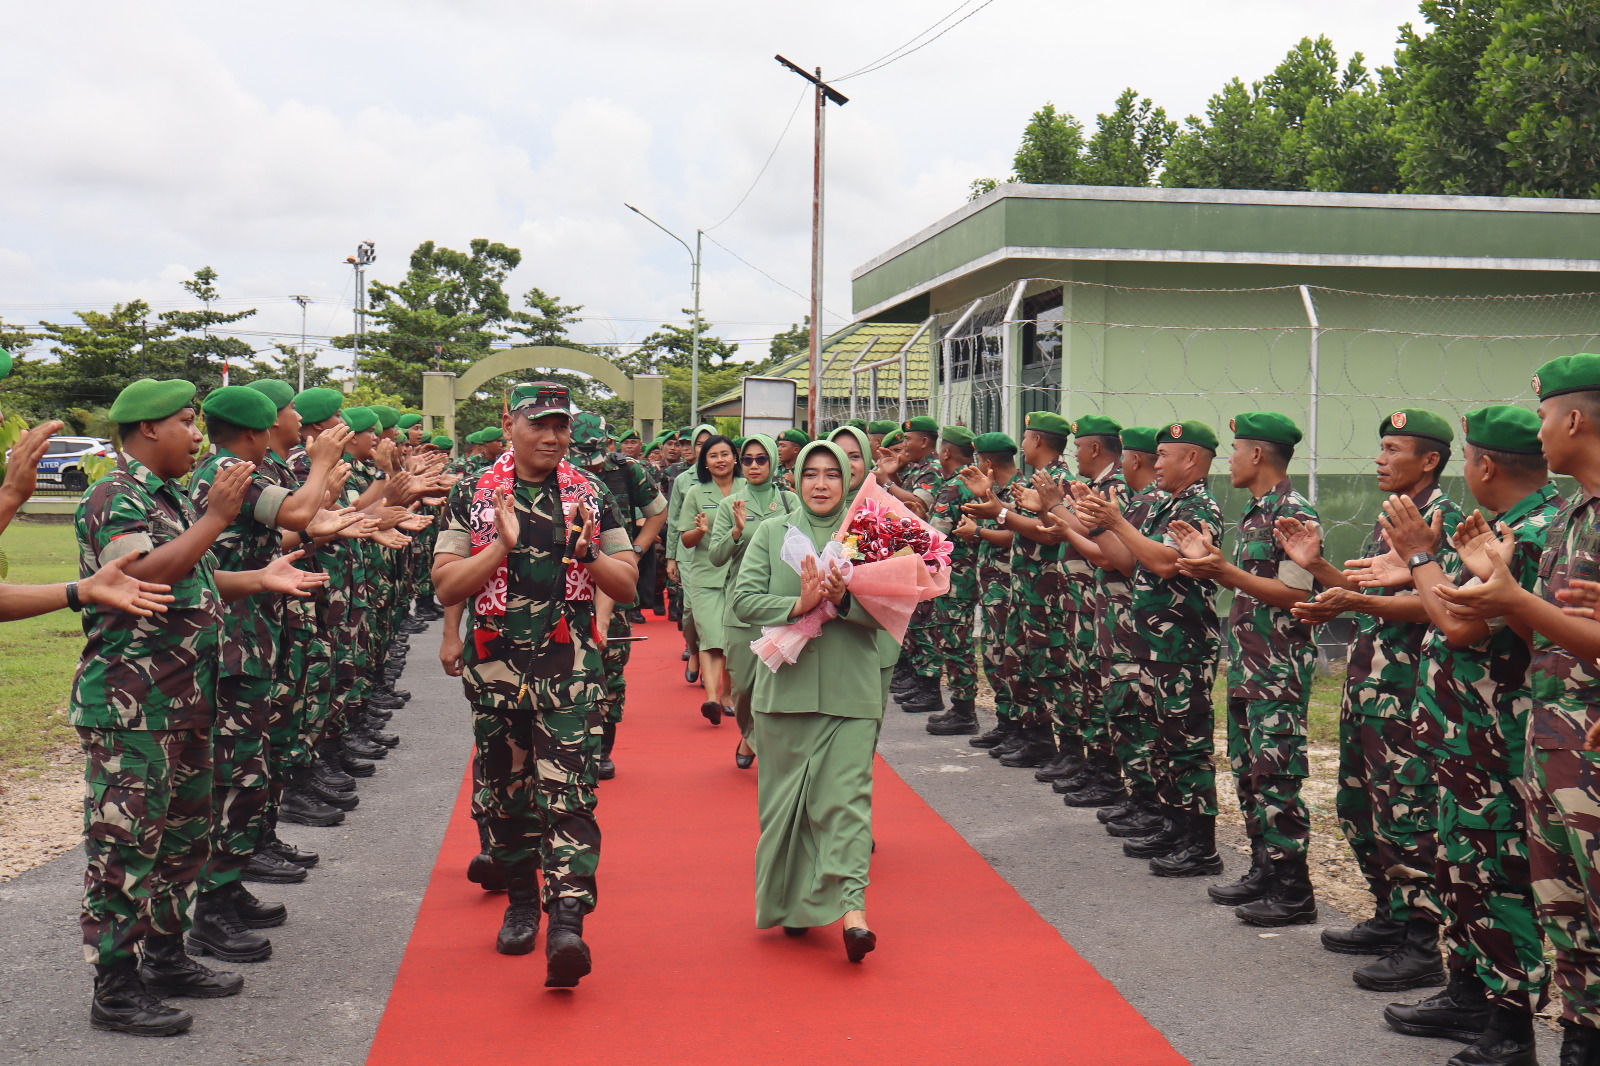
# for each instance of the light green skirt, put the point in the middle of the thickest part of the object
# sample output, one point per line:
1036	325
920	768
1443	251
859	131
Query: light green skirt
706	606
814	798
742	667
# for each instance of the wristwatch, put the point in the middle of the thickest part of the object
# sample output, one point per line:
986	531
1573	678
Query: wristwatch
73	603
1000	519
1420	559
638	550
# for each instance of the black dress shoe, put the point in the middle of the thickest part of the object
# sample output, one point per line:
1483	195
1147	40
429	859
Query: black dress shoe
858	942
604	768
796	930
685	656
743	761
691	674
713	711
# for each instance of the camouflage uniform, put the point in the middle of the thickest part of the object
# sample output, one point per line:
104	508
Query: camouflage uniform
142	702
954	611
1081	714
630	485
1043	625
1562	781
303	678
1386	798
252	630
1171	630
786	477
923	479
538	737
324	613
1472	724
1271	658
1001	661
1131	733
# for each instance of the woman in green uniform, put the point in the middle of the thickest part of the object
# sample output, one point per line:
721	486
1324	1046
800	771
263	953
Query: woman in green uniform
816	721
754	500
703	580
857	447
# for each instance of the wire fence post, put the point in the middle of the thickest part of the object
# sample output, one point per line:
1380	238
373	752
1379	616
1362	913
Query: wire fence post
1010	360
1311	401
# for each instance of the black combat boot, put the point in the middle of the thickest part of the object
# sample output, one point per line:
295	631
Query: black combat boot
1121	811
311	785
1460	1012
1252	886
427	609
1378	935
1580	1044
926	697
167	970
1037	748
960	720
605	769
299	806
900	680
566	955
415	625
1103	786
1140	818
483	871
1169	837
993	738
1508	1041
301	857
325	766
1414	964
258	914
1069	760
1290	899
521	924
378	698
355	765
1198	856
123	1005
362	748
372	730
218	931
269	868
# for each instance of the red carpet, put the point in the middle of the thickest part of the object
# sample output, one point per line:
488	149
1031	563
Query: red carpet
682	975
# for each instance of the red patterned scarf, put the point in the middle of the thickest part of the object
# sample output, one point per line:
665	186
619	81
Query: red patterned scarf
490	601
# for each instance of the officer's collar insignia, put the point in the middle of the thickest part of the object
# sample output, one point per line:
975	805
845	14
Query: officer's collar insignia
1398	420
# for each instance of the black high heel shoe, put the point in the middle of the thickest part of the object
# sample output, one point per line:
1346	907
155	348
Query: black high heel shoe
858	942
743	761
713	711
796	930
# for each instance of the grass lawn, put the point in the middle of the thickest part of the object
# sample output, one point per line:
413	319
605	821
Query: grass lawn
37	655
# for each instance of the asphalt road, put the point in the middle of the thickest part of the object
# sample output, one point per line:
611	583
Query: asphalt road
1219	990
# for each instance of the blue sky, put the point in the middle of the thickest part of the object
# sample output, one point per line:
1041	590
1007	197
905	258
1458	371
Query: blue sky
145	141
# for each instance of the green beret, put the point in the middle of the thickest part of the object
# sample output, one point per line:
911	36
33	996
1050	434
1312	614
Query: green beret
795	436
1503	428
1047	422
442	442
921	424
281	393
994	444
1190	432
241	405
387	416
5	362
859	423
685	432
406	421
891	438
149	400
1265	425
1139	439
1096	426
490	434
1570	373
739	443
883	425
632	434
318	405
1412	422
472	438
957	435
360	419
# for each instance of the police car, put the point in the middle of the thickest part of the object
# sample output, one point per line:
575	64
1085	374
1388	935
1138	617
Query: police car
62	462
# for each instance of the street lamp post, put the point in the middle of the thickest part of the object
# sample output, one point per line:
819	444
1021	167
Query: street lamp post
302	301
694	340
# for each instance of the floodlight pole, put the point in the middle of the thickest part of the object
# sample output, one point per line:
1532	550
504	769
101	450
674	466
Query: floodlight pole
824	93
366	253
302	301
694	340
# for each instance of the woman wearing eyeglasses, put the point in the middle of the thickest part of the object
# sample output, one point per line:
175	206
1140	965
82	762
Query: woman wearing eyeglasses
756	498
704	582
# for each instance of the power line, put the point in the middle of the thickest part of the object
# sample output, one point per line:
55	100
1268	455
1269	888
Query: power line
770	156
903	51
769	277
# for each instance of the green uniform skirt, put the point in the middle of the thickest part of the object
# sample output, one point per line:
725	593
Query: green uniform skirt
706	606
742	667
814	798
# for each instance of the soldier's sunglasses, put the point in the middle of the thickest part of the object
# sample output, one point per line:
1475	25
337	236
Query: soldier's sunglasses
754	460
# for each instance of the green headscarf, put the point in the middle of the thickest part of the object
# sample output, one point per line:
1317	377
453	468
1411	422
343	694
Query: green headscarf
762	496
701	428
821	527
866	451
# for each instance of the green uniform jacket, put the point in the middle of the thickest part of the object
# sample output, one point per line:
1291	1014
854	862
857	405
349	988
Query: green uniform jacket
697	567
728	552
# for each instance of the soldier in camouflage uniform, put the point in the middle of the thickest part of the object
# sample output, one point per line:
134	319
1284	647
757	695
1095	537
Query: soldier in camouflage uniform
1271	657
1475	699
914	478
530	547
790	441
1386	798
644	512
955	611
1174	634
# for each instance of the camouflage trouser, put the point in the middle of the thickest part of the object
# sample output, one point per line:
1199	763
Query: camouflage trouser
1267	751
146	825
1002	660
1486	896
1086	687
1015	663
351	661
921	647
1177	699
1132	731
953	620
241	793
1043	692
301	696
615	659
538	798
1563	789
1386	803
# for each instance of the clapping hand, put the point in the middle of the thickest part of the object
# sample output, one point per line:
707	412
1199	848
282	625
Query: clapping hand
329	445
810	586
226	494
738	519
888	466
1475	541
1198	555
702	522
507	526
978	483
1094	508
331	523
833	584
1580	598
1299	541
1493	599
1386	571
1407	532
966	529
281	575
1328	604
1050	493
110	587
391	538
586	530
22	465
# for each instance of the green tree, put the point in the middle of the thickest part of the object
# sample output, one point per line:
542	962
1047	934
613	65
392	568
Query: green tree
1445	143
796	340
1129	146
545	321
191	342
1051	152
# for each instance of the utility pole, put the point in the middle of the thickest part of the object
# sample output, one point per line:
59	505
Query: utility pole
364	257
694	339
144	342
302	301
824	93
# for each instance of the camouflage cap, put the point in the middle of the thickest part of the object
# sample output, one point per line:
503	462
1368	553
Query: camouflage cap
281	393
318	405
1047	422
407	420
1414	422
994	444
882	425
360	419
149	400
1096	426
1503	428
240	405
1265	425
539	398
588	435
1191	432
387	416
957	435
920	424
1139	439
1570	373
795	436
